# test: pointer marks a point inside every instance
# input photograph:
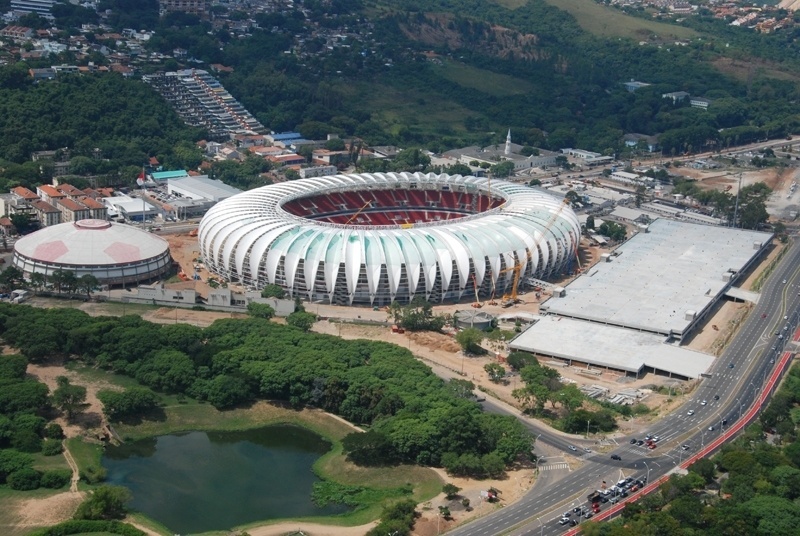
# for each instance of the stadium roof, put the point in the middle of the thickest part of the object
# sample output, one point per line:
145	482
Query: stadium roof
662	277
90	242
609	346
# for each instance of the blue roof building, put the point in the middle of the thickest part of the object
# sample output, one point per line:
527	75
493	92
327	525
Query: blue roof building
160	176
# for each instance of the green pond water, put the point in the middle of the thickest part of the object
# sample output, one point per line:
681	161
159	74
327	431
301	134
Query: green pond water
202	481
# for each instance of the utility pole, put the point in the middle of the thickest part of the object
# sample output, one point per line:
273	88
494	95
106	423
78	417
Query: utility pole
736	206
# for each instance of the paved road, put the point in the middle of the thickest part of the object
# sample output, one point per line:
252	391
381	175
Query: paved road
736	378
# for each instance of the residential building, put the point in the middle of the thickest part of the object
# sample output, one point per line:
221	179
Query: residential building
201	101
195	7
50	194
649	142
97	210
699	102
70	191
42	74
46	213
40	7
16	32
676	96
317	171
73	210
633	85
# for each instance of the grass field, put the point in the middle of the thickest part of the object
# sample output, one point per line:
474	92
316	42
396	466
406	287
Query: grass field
499	85
416	110
86	455
605	21
48	463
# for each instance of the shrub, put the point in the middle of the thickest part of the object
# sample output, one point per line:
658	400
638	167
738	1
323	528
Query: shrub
55	479
94	474
106	502
24	479
52	447
54	431
75	526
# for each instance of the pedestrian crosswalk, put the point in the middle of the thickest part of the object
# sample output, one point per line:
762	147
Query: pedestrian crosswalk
553	466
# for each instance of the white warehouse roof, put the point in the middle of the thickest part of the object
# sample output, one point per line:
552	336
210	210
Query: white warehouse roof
201	188
660	276
609	346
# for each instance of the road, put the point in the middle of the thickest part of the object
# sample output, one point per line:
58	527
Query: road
736	378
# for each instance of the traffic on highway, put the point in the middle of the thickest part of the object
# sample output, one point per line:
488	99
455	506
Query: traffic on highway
728	391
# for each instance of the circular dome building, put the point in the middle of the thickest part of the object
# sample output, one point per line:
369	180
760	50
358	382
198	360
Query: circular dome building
383	237
114	253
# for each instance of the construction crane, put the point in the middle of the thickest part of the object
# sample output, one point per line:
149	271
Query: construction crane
511	298
477	303
354	216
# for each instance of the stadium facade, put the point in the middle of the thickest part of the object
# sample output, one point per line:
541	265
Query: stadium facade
377	238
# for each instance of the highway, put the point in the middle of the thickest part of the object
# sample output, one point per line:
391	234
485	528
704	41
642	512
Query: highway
736	377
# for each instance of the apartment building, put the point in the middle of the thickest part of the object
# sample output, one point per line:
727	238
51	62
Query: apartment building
201	101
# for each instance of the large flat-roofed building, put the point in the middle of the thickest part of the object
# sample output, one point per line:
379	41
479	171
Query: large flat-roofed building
201	188
608	347
662	281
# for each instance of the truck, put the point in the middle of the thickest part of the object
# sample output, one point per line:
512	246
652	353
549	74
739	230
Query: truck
595	497
19	296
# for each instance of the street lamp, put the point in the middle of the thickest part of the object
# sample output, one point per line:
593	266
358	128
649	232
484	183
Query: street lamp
587	428
648	471
541	527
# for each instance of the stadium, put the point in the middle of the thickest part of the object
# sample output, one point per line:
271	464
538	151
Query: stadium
115	254
377	238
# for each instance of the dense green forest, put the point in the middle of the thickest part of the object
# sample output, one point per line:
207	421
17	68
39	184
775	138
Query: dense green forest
413	415
752	486
125	119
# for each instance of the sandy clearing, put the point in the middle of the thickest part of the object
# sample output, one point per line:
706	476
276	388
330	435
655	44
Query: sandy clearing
47	511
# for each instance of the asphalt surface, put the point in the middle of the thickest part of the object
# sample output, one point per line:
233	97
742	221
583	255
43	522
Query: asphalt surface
736	378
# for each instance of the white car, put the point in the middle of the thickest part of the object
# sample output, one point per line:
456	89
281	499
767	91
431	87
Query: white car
572	448
703	403
690	412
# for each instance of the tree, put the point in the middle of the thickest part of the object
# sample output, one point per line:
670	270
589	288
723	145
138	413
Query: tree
291	174
470	340
133	402
273	291
301	320
590	222
520	360
503	169
495	371
24	480
105	502
38	281
70	399
260	310
450	491
22	222
612	230
11	279
63	280
88	283
335	144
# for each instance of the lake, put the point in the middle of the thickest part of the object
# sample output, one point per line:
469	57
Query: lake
202	481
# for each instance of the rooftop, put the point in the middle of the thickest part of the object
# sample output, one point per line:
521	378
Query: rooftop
661	276
205	188
609	346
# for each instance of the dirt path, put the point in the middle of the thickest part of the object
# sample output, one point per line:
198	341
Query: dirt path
76	475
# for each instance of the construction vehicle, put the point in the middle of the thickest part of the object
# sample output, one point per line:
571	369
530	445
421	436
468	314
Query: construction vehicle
477	303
